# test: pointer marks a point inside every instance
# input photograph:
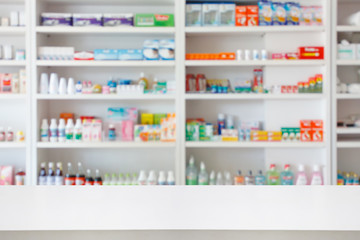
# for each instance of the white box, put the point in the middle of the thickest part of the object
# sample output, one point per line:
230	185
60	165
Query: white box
14	19
346	52
193	15
210	14
227	14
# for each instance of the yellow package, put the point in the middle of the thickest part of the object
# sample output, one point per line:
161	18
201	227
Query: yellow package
147	119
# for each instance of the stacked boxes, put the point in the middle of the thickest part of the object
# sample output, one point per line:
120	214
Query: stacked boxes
312	130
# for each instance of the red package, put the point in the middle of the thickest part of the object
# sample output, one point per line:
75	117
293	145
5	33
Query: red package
317	124
240	16
317	135
295	89
292	56
284	89
311	52
289	89
190	83
306	124
278	56
252	13
306	135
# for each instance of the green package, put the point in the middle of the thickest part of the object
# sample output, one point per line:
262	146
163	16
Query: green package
154	20
158	117
192	131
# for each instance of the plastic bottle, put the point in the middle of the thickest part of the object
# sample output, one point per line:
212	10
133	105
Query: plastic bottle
42	174
59	178
50	179
273	176
191	173
260	179
152	178
53	131
78	131
203	175
44	83
106	181
219	179
97	179
355	180
78	87
239	179
113	180
301	178
69	130
69	176
54	84
317	178
20	178
340	178
44	131
121	180
221	122
128	180
287	176
112	132
230	122
62	86
170	178
228	180
348	179
250	179
10	135
162	178
142	178
61	131
71	89
2	134
89	180
212	178
143	81
155	84
134	181
80	176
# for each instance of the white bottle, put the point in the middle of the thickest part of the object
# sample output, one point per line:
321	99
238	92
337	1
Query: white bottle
50	179
59	179
142	178
203	175
53	131
69	130
44	131
61	130
219	179
62	86
212	178
78	131
54	84
301	178
162	178
228	178
71	87
171	178
44	83
317	178
152	178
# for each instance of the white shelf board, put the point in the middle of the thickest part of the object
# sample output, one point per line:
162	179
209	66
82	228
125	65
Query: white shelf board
255	144
6	145
205	31
345	28
244	96
11	63
281	208
220	63
12	96
107	145
105	63
12	30
107	97
113	2
348	144
347	96
107	30
348	62
344	130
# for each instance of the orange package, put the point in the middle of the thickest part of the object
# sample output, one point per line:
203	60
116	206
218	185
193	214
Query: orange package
252	13
317	132
240	16
306	130
67	116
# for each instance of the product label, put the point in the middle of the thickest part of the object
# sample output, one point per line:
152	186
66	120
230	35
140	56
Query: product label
79	181
19	180
59	180
287	180
99	183
42	180
44	133
316	180
273	180
69	181
50	180
78	135
259	181
191	180
69	135
203	181
301	180
340	182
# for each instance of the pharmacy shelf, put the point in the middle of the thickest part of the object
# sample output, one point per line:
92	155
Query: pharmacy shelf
12	30
12	97
348	130
348	96
12	63
232	96
255	144
107	97
348	144
104	145
348	62
105	63
107	30
114	2
222	63
348	28
209	31
281	208
7	145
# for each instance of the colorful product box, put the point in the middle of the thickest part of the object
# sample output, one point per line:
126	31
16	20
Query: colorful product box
274	136
151	49
154	20
291	134
118	20
306	16
293	13
158	117
56	19
127	130
6	175
229	135
167	49
311	52
280	13
252	15
193	15
292	56
147	118
265	13
241	16
227	14
193	131
168	128
106	54
210	14
278	56
259	136
87	20
147	133
130	54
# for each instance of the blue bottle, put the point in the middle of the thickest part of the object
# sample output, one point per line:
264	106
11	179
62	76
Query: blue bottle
287	176
260	179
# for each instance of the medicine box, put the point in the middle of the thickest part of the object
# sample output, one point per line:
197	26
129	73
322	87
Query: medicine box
293	12
130	54
147	118
227	14
118	20
158	117
347	52
6	175
193	15
167	49
56	19
106	54
154	20
151	50
265	13
87	20
252	15
240	16
311	52
210	14
280	13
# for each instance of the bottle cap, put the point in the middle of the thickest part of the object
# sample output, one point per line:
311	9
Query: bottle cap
316	168
51	164
192	160
221	116
239	172
44	121
142	75
287	166
202	166
59	165
301	168
62	121
69	164
260	172
43	165
272	166
250	172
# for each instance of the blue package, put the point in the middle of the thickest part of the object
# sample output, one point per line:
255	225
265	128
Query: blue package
151	50
293	12
130	54
279	13
167	49
105	54
265	13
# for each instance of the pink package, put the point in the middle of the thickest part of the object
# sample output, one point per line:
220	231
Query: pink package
127	130
306	16
317	15
6	175
277	56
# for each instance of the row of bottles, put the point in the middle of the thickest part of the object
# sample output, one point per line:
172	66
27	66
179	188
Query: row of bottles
347	178
273	176
142	179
